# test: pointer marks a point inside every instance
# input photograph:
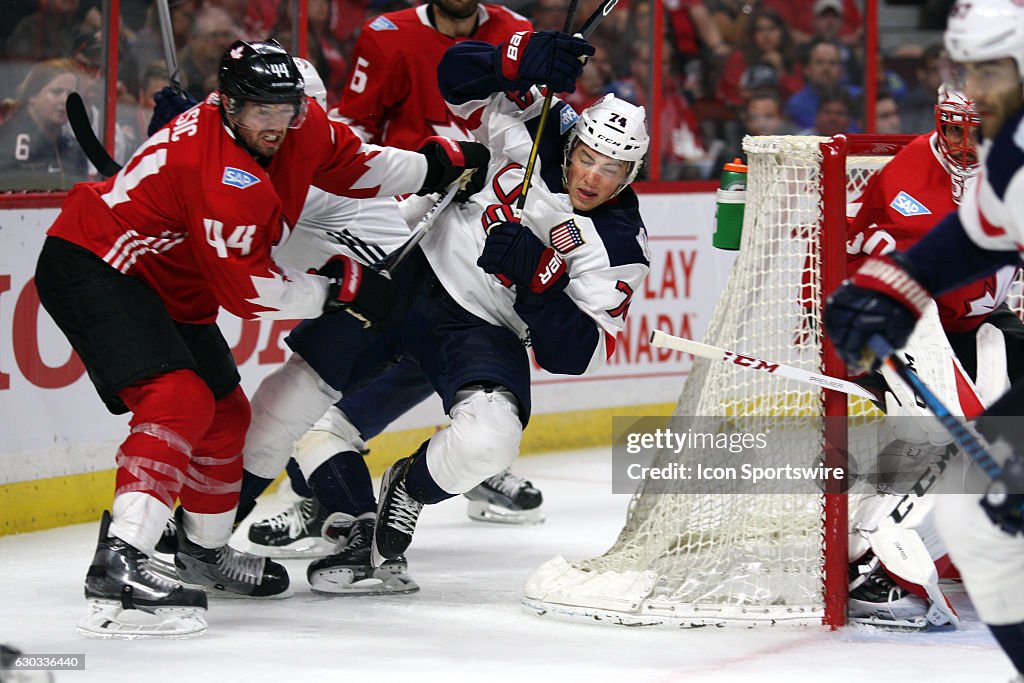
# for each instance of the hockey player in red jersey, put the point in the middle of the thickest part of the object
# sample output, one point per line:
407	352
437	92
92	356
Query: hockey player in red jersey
391	97
879	306
134	271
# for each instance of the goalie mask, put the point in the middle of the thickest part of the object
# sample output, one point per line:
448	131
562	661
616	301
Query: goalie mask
614	128
956	128
262	73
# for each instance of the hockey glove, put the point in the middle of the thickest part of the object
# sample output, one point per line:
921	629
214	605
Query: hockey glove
513	251
882	298
543	58
447	160
169	103
357	289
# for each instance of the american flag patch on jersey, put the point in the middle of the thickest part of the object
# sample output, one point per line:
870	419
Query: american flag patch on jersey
566	236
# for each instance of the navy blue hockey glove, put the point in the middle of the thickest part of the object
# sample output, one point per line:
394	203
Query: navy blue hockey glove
548	58
513	251
882	298
361	291
448	159
169	103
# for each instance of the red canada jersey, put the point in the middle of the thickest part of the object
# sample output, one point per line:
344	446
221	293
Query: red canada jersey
903	202
392	97
196	217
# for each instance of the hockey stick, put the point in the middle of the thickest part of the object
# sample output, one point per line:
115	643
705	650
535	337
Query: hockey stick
93	149
531	161
668	341
387	265
78	117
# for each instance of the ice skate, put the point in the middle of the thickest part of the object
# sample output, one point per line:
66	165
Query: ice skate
505	498
226	572
877	600
397	513
348	571
128	600
293	533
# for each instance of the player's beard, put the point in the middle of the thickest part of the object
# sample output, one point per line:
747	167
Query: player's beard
457	9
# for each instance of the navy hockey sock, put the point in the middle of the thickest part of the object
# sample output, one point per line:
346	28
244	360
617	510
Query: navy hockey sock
298	481
420	484
342	484
1011	638
252	488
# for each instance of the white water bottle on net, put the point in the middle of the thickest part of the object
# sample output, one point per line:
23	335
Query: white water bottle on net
706	558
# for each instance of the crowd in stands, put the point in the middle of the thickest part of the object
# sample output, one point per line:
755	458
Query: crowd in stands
728	68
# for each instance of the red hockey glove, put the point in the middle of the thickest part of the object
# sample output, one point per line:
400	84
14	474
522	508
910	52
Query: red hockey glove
448	159
881	298
355	288
515	252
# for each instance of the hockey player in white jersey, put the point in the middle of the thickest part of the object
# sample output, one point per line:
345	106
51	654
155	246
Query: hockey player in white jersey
483	285
888	294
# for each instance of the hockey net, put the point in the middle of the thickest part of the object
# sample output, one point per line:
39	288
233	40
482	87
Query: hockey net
701	559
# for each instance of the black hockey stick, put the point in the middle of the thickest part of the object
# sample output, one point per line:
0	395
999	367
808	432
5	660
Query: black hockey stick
535	148
87	140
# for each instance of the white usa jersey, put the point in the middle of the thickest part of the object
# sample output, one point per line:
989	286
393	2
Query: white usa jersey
993	215
605	250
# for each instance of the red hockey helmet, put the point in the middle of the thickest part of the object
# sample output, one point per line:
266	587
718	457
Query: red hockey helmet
956	127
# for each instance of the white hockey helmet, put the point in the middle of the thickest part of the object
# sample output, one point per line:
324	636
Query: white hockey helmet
982	30
315	87
615	128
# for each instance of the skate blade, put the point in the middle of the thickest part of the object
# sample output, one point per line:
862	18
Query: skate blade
385	581
303	549
107	619
481	511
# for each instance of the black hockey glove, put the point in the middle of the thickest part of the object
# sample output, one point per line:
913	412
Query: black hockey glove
882	298
513	251
361	291
169	103
447	160
546	58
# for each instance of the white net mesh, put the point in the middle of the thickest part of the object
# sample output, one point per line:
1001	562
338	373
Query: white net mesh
712	559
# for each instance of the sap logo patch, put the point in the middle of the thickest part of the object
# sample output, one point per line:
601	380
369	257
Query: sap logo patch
238	178
908	206
568	119
383	24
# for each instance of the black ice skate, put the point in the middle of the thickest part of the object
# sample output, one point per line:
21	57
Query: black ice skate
505	498
348	570
293	533
397	513
878	600
227	572
128	600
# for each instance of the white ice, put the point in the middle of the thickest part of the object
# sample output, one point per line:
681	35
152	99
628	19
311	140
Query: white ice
465	624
